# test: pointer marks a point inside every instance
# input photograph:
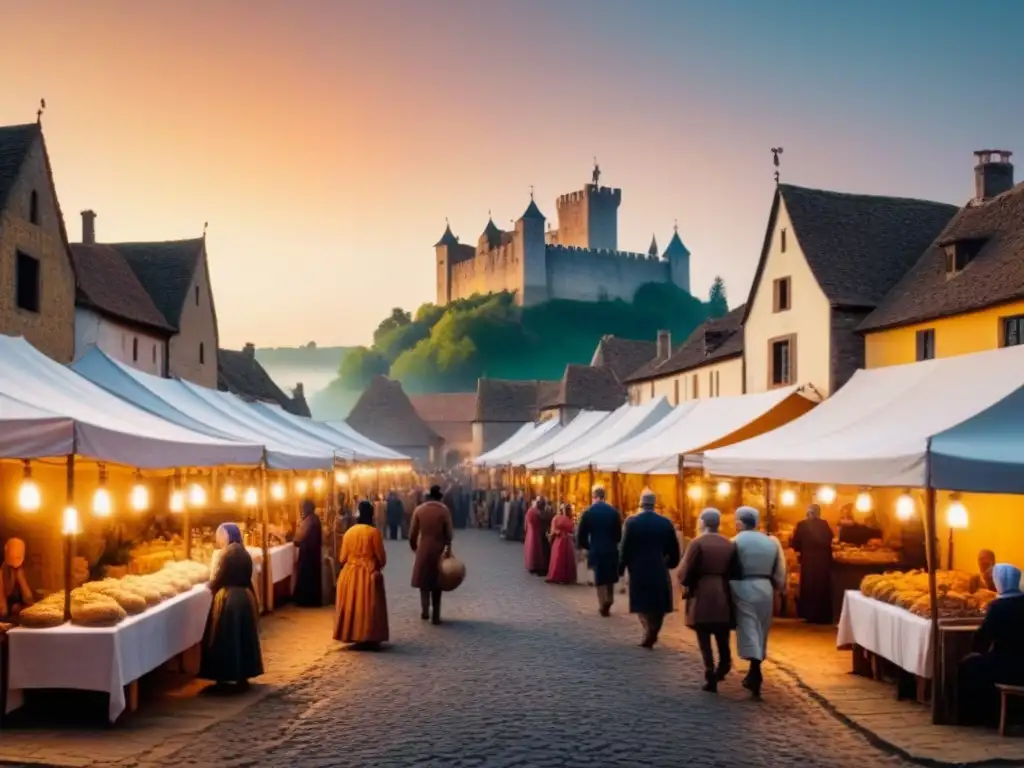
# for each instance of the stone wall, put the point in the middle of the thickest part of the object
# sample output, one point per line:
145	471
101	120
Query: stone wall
52	329
586	275
487	272
197	331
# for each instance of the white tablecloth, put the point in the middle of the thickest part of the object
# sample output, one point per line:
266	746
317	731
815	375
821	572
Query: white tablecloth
105	658
891	632
282	562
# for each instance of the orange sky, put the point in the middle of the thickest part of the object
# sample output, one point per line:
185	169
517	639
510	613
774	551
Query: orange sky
326	141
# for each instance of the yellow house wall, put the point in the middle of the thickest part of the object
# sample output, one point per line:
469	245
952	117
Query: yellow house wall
730	382
809	317
960	335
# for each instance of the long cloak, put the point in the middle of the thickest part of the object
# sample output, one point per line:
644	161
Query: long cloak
812	540
762	569
308	569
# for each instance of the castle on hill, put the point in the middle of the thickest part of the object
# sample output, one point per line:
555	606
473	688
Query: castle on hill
579	260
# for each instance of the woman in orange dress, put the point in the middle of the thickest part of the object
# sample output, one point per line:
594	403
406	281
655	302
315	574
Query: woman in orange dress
361	611
563	553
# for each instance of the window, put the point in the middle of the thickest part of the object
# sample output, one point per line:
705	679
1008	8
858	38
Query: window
926	344
197	295
696	387
202	353
961	253
677	391
782	240
1013	331
781	361
135	349
781	296
27	283
33	208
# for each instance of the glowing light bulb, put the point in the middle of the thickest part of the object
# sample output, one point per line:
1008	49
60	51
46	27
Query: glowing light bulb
301	486
196	495
864	502
318	483
826	494
788	497
252	497
29	498
140	498
229	494
101	504
695	492
723	489
905	506
70	527
340	478
956	514
277	491
177	501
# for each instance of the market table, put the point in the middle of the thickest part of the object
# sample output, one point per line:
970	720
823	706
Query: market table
888	631
105	658
282	567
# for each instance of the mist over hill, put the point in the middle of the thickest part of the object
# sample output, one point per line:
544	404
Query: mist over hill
316	367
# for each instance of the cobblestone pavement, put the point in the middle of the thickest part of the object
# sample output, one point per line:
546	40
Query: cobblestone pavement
524	674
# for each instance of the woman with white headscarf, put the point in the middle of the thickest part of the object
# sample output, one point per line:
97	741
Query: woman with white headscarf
761	571
997	654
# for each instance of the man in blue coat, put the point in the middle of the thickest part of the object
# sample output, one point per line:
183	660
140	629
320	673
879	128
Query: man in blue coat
599	532
650	549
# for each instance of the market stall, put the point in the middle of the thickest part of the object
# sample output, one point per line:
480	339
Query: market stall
362	448
523	440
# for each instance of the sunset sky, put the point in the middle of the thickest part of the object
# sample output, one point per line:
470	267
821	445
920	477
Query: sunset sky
326	141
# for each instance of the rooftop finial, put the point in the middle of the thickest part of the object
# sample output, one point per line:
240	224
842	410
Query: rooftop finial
205	225
597	173
39	112
531	192
675	226
776	151
490	216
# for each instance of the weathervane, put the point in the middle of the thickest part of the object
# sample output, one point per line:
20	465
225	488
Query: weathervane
776	151
597	173
675	226
205	225
531	192
39	112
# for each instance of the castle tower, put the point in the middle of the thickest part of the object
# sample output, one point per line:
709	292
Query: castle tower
531	250
444	251
590	218
652	252
678	257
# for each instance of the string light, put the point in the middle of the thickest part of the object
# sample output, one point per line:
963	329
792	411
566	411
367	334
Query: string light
277	491
301	486
139	499
101	504
340	477
29	498
905	506
177	501
70	527
229	493
956	513
788	497
318	483
863	502
826	494
252	497
723	489
695	492
197	495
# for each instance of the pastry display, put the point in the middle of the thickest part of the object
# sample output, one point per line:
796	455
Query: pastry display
121	593
958	594
42	615
91	608
873	552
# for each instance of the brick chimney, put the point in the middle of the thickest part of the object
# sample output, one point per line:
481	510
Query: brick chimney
992	177
249	350
664	346
89	227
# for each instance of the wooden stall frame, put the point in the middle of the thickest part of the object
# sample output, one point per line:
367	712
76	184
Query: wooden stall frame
69	537
932	551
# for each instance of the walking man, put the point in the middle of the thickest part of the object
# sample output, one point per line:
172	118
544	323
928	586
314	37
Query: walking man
395	513
598	533
650	549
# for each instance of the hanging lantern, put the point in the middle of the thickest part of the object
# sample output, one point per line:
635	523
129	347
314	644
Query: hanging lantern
70	527
177	501
101	504
229	493
956	513
826	494
196	495
301	486
252	497
905	506
29	498
277	491
723	489
139	499
340	477
318	483
864	502
788	497
695	492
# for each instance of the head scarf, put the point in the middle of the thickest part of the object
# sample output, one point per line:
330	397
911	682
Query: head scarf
748	516
648	499
365	512
814	512
710	519
1007	579
308	507
228	533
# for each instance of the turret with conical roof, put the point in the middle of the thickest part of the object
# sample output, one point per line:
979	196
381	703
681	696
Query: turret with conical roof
491	236
532	212
678	257
653	250
532	249
447	238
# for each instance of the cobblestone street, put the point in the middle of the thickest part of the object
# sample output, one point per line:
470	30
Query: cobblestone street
523	674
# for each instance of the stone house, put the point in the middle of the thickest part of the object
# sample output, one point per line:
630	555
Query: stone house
239	372
708	364
38	296
503	406
828	260
450	414
623	356
385	414
581	388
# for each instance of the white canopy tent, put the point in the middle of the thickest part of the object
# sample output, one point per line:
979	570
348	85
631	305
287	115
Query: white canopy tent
52	411
875	430
173	401
539	454
709	422
627	421
501	455
361	450
609	459
514	442
347	431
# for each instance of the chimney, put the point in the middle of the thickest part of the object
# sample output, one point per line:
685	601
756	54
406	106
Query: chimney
992	177
249	350
664	346
299	391
89	227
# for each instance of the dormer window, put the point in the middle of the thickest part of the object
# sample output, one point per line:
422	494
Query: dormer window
960	253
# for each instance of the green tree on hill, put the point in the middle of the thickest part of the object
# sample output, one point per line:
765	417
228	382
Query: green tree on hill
718	304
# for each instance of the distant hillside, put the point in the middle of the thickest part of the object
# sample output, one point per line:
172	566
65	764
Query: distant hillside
303	357
316	367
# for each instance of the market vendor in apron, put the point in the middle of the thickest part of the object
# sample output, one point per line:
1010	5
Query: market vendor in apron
812	540
15	593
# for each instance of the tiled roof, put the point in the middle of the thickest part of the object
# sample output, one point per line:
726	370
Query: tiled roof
385	414
165	270
15	143
714	340
505	400
994	276
584	386
240	373
623	356
450	414
857	246
107	284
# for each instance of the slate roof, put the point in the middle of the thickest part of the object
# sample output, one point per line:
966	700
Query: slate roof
450	414
165	270
994	276
712	341
15	143
240	373
532	212
505	400
447	238
385	414
623	356
857	246
106	283
583	386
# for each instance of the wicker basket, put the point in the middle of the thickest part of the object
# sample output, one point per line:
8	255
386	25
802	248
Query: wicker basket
451	572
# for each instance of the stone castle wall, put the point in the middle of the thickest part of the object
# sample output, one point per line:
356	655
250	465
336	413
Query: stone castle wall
592	275
491	271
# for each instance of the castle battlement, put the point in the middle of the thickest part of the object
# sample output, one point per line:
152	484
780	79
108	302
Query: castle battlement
627	255
612	194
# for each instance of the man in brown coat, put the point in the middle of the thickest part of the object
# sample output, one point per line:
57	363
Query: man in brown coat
708	565
430	534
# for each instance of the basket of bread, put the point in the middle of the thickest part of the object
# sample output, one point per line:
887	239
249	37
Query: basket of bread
959	594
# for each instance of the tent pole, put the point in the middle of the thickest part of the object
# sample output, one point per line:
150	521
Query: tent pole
769	515
186	524
680	495
268	584
932	548
69	538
